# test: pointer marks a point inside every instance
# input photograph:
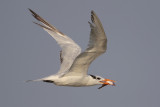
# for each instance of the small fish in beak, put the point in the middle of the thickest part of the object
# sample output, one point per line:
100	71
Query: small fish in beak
106	82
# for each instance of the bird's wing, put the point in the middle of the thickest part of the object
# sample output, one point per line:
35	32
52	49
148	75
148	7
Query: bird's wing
97	46
70	50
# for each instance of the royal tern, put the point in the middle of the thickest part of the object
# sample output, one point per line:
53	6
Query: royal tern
74	64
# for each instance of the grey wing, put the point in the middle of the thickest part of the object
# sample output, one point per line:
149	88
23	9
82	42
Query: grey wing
70	50
97	46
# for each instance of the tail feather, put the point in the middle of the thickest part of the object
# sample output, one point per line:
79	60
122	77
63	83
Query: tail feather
44	80
34	80
49	79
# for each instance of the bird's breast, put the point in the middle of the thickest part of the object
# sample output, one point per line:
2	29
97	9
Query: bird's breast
75	81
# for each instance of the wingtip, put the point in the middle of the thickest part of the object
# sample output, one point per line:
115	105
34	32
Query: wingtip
35	15
92	16
92	12
31	10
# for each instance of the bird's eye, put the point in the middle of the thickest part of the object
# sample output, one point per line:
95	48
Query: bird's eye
98	78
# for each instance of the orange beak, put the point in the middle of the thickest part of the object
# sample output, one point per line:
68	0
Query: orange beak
107	82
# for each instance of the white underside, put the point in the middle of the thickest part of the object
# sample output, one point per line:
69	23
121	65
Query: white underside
74	81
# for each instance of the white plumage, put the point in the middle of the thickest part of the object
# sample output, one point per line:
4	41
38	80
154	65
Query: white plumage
74	64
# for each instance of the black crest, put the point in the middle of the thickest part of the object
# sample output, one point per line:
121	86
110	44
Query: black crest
94	77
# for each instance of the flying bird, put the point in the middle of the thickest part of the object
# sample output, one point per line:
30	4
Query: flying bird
74	63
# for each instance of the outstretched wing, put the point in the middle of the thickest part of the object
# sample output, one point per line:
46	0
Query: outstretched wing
97	46
70	50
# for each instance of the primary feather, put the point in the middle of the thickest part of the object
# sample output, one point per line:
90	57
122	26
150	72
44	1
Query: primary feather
70	50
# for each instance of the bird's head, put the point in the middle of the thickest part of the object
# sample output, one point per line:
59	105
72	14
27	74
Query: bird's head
103	81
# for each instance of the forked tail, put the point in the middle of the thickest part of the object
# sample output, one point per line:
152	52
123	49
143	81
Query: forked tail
48	81
34	80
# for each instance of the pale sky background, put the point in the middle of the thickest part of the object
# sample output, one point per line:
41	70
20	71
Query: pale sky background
132	59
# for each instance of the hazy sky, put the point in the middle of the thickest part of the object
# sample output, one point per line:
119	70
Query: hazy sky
132	59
